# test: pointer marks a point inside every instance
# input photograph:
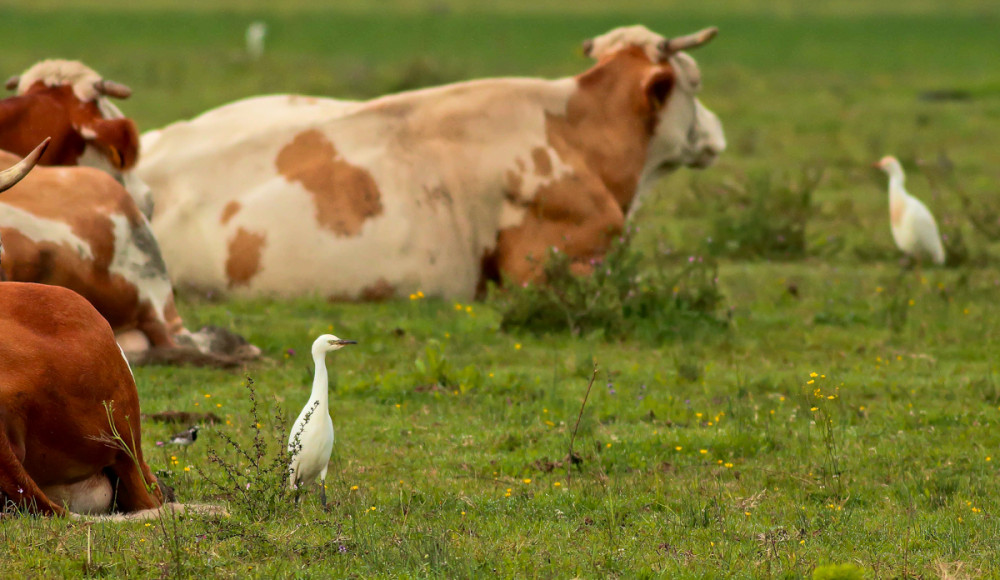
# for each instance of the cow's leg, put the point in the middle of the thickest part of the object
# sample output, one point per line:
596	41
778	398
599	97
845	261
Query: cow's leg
137	488
155	328
17	486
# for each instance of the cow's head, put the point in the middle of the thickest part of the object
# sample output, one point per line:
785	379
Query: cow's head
113	138
684	132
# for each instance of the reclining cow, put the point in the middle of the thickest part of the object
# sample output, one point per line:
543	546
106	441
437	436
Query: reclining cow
69	410
77	227
434	190
68	101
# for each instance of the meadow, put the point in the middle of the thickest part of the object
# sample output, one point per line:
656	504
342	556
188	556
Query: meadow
837	420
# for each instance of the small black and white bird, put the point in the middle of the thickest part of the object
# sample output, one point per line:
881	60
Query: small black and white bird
185	437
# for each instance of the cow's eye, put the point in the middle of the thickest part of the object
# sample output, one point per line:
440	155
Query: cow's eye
659	90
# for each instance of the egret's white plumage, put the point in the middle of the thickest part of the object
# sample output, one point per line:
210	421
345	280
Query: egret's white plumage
913	226
255	35
314	427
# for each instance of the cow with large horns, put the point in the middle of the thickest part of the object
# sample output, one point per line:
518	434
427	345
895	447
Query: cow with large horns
69	410
435	190
68	101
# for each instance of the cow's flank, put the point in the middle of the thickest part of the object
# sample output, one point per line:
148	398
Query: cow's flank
245	249
345	195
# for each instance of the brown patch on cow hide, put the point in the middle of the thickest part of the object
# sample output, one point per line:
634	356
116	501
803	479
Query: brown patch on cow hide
43	262
243	262
609	122
229	211
380	291
344	195
603	137
543	165
512	188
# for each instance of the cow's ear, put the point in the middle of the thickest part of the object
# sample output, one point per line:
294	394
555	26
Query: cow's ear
658	86
117	138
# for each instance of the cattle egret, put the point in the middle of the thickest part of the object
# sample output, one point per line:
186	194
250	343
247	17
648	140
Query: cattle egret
311	439
913	226
255	39
185	437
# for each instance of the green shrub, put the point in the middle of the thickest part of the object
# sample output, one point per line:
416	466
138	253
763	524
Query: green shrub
764	218
625	295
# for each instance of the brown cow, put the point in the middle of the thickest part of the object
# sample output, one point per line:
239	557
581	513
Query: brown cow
67	101
65	390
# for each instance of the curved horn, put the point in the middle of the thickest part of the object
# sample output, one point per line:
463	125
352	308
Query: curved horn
673	45
113	89
10	177
588	46
12	82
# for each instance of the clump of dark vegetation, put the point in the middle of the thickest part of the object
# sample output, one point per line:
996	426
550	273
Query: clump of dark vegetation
765	217
626	294
255	479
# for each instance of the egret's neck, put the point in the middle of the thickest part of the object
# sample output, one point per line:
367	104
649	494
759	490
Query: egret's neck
321	383
896	179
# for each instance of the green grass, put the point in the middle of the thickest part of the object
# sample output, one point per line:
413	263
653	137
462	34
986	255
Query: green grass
899	484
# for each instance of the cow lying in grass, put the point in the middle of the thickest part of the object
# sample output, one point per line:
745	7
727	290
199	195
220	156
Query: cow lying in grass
77	227
437	190
69	410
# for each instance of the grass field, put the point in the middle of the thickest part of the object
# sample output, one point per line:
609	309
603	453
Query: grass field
846	415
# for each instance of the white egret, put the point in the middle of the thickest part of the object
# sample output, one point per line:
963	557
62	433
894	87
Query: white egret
311	438
913	226
255	35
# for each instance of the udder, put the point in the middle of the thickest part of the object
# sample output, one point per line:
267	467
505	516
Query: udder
92	496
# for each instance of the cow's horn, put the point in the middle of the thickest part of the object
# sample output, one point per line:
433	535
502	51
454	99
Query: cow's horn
12	82
674	45
113	89
10	177
588	46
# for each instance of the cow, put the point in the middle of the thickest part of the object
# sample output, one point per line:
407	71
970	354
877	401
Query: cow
77	227
69	410
437	190
68	101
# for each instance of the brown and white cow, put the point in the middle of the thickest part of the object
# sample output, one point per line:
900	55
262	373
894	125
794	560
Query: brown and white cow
65	390
68	101
432	190
78	228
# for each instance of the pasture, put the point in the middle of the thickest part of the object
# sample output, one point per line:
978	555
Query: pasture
844	414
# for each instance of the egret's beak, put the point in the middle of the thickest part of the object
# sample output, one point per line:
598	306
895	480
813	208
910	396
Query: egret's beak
344	342
877	165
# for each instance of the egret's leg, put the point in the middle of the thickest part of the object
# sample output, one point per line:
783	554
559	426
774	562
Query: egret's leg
322	487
